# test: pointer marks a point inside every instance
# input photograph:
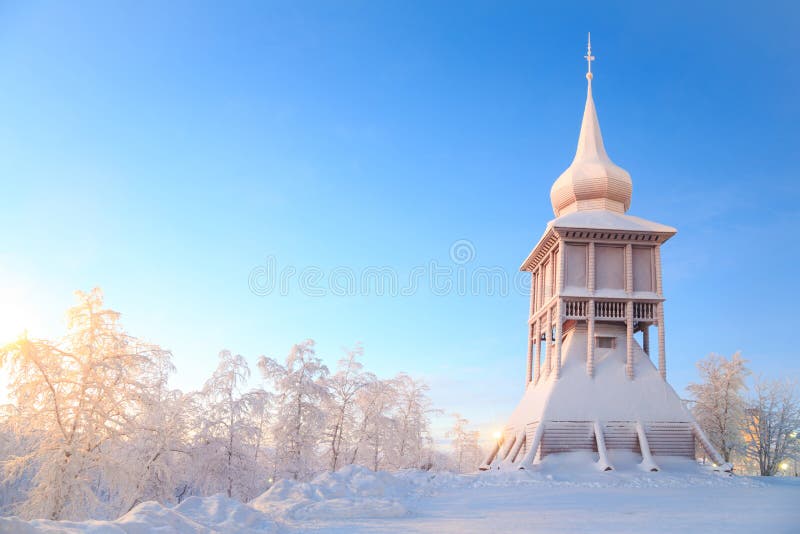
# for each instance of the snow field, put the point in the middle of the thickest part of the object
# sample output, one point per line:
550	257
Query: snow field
559	495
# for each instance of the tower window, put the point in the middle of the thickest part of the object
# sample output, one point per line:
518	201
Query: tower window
604	342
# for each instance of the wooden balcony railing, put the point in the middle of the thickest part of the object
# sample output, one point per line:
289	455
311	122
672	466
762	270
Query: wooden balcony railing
614	310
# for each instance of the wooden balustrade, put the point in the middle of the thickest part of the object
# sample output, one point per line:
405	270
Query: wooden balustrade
610	309
644	311
575	309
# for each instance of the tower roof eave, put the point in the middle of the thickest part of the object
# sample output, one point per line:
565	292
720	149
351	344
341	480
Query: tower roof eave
596	220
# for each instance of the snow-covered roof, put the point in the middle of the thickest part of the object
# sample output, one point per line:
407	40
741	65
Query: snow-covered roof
596	219
600	219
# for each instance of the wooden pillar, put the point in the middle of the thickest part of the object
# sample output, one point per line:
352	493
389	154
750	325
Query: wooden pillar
590	338
541	279
529	369
559	309
559	326
659	289
537	363
646	339
548	332
628	268
629	338
662	356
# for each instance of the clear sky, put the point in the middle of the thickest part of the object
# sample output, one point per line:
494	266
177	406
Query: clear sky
167	151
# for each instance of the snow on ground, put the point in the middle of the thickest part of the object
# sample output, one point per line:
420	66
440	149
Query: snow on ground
559	495
353	491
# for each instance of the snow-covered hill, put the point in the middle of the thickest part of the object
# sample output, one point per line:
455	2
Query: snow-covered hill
560	495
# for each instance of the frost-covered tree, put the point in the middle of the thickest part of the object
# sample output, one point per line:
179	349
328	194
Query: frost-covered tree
720	401
261	404
93	429
375	428
13	444
77	401
261	408
226	428
411	415
343	387
771	422
300	394
155	451
467	453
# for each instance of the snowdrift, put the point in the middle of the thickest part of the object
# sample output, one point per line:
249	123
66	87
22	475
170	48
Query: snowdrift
351	492
355	493
197	515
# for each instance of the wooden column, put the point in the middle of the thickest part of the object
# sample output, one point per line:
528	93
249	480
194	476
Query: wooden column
560	308
537	363
646	339
629	338
541	279
590	282
590	338
662	356
548	333
629	309
529	369
657	252
629	268
559	326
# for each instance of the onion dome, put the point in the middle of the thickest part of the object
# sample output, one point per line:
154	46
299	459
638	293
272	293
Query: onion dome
592	181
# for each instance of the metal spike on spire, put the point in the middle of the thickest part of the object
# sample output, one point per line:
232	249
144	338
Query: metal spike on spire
589	57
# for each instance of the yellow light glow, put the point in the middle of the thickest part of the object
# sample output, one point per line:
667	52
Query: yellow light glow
17	308
497	435
784	466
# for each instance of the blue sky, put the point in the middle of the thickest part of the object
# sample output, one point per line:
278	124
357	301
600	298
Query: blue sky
164	150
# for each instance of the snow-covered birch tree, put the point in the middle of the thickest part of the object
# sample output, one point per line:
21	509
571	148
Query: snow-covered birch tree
411	414
771	422
299	426
226	427
154	450
467	453
261	402
720	401
343	387
375	428
76	401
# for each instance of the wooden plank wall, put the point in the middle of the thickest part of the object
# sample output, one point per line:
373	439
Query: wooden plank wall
670	439
568	436
665	438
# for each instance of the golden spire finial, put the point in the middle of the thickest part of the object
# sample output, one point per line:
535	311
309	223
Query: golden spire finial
589	57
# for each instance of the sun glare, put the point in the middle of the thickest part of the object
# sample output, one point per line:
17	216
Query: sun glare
19	308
